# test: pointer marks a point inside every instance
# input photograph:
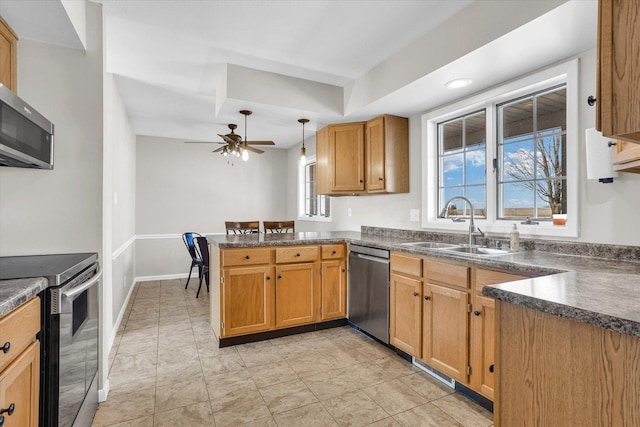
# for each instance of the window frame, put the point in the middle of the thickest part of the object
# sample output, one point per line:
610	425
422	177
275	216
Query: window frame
302	216
565	73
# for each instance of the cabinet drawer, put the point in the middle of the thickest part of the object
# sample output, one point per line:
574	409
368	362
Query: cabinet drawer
287	254
447	273
332	251
406	264
246	256
484	277
19	329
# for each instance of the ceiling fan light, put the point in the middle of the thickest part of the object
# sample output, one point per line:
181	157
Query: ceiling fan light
245	155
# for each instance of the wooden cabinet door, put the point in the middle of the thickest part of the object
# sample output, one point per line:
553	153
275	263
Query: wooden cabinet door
346	143
20	387
405	315
445	330
618	98
482	350
8	57
334	290
626	157
375	154
248	300
297	294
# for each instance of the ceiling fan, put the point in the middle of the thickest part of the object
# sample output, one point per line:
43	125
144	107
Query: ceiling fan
234	144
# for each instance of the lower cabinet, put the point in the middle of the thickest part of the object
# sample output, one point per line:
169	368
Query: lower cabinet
297	294
482	350
405	316
445	330
20	366
248	300
19	389
334	290
266	288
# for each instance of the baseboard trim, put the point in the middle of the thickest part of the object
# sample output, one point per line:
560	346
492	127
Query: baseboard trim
163	277
261	336
103	392
116	324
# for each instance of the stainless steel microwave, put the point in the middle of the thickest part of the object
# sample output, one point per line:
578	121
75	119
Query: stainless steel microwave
26	137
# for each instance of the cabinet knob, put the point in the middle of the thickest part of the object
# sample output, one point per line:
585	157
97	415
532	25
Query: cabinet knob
361	181
591	100
298	254
333	252
279	276
415	294
343	270
247	257
5	348
427	297
477	313
380	179
8	410
268	277
491	368
2	420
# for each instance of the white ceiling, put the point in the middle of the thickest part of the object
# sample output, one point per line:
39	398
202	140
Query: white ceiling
169	58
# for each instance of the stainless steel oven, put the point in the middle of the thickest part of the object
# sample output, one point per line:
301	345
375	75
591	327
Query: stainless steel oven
69	336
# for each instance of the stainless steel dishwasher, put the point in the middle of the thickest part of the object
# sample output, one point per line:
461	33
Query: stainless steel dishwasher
369	291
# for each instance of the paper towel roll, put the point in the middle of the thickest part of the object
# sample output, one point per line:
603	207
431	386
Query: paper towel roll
599	160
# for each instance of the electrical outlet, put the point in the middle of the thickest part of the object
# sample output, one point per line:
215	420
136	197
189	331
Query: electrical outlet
348	211
415	215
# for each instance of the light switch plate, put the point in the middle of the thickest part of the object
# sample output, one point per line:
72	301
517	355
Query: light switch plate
415	215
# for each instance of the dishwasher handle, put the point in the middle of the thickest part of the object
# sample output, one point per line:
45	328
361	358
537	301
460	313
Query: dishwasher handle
371	258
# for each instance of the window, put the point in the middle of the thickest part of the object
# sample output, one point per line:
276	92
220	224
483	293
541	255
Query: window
512	151
532	156
462	160
312	205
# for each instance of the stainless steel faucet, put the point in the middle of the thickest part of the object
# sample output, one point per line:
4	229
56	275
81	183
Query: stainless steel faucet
473	232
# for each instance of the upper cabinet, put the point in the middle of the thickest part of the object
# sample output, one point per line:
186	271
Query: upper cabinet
8	57
364	157
618	97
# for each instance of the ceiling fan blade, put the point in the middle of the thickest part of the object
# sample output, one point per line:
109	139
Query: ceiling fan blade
261	142
255	150
204	142
218	150
227	139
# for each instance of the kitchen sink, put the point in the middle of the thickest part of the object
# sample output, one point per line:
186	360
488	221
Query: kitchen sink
476	250
430	245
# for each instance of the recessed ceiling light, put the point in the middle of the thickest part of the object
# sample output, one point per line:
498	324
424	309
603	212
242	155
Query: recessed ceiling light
457	83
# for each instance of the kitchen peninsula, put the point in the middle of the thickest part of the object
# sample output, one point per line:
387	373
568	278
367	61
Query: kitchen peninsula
581	306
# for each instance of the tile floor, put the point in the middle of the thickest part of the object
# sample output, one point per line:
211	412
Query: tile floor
166	370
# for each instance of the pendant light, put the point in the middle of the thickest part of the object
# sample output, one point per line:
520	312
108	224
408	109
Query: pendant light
243	144
303	151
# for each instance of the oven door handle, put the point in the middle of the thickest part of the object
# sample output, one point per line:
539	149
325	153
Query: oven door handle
75	291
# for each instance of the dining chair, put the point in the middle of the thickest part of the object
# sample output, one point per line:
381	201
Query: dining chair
279	226
187	238
202	247
248	227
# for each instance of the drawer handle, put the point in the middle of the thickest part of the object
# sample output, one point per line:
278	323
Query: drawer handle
491	368
8	410
427	298
247	257
6	347
477	313
415	294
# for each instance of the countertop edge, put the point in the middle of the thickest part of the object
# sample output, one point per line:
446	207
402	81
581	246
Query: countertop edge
16	292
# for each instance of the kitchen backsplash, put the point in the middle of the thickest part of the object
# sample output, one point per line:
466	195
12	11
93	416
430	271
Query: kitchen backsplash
597	250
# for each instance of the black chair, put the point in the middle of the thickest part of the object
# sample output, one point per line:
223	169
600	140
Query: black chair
202	247
188	239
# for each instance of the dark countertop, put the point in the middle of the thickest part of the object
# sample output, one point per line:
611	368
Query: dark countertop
601	292
18	291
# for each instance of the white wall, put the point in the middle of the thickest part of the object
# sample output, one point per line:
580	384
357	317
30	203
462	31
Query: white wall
60	210
609	212
184	187
119	206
